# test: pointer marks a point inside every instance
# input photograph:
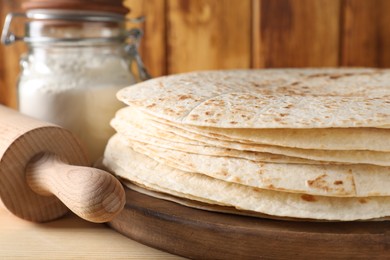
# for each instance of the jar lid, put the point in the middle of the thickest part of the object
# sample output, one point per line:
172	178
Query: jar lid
111	6
70	13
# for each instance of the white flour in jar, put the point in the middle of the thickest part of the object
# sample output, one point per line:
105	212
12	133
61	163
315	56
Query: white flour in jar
76	90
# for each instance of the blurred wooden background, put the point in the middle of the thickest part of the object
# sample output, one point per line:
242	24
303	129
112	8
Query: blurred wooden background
185	35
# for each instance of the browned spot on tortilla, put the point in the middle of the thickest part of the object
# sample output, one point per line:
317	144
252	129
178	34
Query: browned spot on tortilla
255	84
191	165
309	198
215	102
338	182
288	106
319	183
337	76
211	121
208	113
151	105
169	110
318	75
194	116
256	189
233	122
224	172
237	179
271	187
362	201
283	114
183	97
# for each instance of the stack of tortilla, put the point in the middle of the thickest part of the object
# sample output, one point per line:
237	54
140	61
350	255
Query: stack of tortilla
297	143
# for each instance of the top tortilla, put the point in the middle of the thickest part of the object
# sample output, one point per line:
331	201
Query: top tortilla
268	98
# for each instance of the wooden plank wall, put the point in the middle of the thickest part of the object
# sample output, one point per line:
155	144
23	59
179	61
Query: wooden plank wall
9	58
185	35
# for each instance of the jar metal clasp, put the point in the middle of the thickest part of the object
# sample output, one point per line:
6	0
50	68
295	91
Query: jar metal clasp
132	47
7	37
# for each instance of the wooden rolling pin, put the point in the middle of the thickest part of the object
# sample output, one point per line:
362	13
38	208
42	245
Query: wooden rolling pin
43	173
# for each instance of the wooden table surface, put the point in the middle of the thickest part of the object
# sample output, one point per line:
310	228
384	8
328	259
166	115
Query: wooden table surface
68	238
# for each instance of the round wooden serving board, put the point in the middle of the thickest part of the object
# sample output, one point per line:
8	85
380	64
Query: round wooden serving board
200	234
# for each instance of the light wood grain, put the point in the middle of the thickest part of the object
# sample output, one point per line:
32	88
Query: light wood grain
93	194
9	56
208	34
68	238
90	193
296	33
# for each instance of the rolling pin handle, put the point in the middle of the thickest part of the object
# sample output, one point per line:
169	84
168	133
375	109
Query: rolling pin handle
92	194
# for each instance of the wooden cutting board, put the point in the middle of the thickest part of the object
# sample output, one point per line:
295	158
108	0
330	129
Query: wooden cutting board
200	234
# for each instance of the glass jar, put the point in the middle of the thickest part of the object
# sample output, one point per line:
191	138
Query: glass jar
76	62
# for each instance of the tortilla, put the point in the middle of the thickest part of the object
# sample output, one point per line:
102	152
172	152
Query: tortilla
136	125
200	203
295	98
131	165
135	135
372	139
325	180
